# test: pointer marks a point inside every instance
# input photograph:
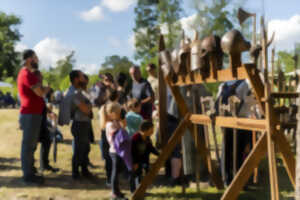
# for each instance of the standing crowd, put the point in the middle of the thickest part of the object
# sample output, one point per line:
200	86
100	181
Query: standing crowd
127	118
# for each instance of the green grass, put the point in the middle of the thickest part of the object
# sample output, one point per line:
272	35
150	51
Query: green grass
60	186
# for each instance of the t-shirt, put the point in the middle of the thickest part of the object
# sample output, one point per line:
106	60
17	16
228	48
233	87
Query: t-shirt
30	102
133	121
78	114
141	149
142	90
110	129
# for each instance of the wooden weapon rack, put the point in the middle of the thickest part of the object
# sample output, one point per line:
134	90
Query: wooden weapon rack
270	127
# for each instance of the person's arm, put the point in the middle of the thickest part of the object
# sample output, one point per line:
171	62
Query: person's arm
40	90
83	107
149	93
152	149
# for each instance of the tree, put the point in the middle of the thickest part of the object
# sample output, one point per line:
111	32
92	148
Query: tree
65	66
57	77
169	16
115	64
285	59
151	15
146	28
9	35
214	17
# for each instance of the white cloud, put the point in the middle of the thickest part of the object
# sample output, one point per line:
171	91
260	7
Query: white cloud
88	68
94	14
49	51
115	42
187	24
118	5
287	32
20	47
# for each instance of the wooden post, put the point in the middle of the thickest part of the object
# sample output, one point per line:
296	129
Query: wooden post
244	173
162	111
270	120
201	148
272	65
195	97
166	152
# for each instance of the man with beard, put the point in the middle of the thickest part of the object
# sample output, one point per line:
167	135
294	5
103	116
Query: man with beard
30	90
80	113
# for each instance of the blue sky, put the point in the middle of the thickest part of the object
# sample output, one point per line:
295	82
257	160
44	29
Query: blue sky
99	28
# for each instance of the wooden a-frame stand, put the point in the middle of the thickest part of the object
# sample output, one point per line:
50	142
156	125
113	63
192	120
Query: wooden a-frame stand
272	133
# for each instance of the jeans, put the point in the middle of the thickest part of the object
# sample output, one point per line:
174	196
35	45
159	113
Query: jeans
80	158
30	125
104	147
116	169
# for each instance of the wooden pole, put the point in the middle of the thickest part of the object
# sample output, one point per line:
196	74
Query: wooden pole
273	65
166	152
270	120
162	97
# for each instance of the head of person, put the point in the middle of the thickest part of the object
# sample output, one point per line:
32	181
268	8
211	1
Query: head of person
113	95
134	105
147	128
86	82
151	69
109	112
30	59
77	79
108	79
135	73
122	80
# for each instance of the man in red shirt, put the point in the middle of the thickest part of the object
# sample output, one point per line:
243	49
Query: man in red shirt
31	92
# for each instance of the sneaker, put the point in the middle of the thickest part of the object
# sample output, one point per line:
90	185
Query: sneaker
50	168
35	179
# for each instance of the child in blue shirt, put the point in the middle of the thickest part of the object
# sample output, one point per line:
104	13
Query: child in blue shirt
133	118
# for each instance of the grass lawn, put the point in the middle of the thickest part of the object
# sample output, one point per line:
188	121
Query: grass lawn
60	186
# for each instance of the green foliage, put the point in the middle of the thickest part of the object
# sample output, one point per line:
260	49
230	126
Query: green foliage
115	64
150	16
9	35
146	28
169	15
285	60
215	17
58	78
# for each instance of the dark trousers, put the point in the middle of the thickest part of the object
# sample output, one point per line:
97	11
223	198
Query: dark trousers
104	147
45	149
80	132
243	139
135	178
116	169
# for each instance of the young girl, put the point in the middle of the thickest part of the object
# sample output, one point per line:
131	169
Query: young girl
109	120
133	118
